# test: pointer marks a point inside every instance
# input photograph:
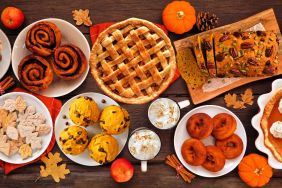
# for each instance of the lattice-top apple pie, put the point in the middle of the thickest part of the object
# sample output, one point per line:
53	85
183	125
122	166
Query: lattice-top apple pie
133	61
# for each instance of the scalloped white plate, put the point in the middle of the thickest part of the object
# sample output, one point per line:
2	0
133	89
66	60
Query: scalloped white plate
262	100
181	135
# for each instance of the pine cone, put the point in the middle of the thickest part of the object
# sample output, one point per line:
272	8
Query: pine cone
206	21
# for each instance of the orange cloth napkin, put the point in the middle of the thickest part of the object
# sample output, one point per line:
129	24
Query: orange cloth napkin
54	107
95	30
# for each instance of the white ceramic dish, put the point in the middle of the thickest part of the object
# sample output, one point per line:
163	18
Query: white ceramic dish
5	53
181	135
60	125
40	107
262	101
70	34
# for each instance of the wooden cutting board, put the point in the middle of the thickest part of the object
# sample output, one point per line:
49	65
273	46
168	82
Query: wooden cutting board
266	18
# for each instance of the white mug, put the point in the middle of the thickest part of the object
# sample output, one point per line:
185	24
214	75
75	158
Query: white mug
164	106
144	157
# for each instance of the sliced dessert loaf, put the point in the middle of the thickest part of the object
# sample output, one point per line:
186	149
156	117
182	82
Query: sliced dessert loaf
209	54
199	55
249	54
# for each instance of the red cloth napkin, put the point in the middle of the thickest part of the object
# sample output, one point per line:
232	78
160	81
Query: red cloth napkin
95	30
54	107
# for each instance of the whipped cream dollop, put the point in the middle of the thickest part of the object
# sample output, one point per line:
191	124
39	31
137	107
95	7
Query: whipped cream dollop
280	106
276	129
144	144
164	113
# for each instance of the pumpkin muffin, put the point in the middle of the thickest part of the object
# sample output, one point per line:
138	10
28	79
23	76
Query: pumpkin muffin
73	140
84	111
103	148
114	120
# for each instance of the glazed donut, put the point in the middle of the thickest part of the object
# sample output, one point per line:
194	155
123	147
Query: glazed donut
215	159
35	73
199	125
69	62
224	126
193	152
43	38
231	147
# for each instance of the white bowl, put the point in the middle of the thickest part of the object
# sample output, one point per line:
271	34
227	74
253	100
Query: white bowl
181	135
40	107
262	101
70	34
6	54
60	125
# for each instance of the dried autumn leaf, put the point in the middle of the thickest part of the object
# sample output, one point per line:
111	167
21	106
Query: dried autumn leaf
239	105
230	99
52	168
248	97
82	17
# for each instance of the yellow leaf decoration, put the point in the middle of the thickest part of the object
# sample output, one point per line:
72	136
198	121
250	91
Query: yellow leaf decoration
247	97
82	17
230	100
52	168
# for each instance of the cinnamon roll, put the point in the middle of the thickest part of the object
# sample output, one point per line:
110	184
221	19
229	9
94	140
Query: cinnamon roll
35	73
69	62
43	38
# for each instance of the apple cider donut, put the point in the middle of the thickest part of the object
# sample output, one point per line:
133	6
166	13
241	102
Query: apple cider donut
199	126
231	147
224	126
193	152
215	159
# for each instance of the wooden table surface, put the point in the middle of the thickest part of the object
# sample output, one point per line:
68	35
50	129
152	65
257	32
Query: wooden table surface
158	175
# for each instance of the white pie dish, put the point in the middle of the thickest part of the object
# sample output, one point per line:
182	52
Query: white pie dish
46	139
60	125
70	34
262	101
5	53
181	135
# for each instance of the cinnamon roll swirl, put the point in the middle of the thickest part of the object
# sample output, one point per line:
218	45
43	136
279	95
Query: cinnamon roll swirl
69	62
43	38
35	73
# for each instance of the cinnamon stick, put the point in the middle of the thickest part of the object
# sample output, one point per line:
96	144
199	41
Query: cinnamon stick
172	161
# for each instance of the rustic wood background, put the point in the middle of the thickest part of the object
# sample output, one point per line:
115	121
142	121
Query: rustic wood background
158	175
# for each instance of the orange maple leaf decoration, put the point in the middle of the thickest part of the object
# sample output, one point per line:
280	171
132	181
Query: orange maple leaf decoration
247	97
52	168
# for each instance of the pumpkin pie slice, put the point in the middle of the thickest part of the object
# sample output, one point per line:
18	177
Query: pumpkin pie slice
271	115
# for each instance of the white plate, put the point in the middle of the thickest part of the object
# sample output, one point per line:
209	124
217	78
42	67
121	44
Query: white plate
262	100
40	107
181	135
60	125
70	34
5	53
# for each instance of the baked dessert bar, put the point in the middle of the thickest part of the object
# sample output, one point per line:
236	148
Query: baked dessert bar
246	54
209	54
200	55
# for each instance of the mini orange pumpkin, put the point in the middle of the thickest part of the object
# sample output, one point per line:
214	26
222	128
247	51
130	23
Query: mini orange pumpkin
254	170
179	17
